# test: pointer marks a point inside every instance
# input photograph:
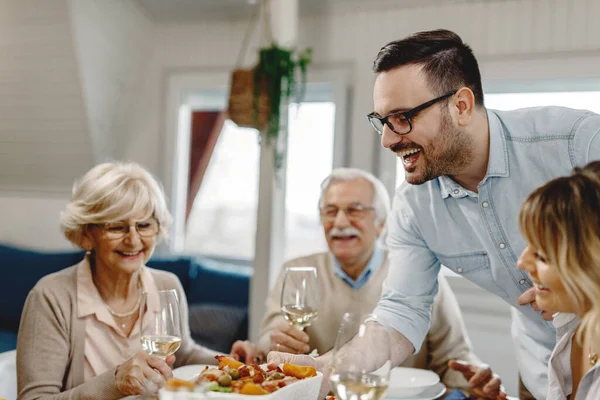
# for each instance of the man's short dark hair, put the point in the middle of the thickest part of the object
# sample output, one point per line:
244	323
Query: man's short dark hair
447	61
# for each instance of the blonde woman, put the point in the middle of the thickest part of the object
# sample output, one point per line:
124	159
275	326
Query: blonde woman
79	337
561	222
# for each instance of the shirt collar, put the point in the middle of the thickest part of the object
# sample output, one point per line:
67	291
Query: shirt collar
374	262
497	161
89	300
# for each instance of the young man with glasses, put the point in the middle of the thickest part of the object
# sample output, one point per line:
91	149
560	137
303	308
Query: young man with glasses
468	169
353	207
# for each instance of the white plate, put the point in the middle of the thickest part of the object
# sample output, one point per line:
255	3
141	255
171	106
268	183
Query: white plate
410	382
430	393
303	389
189	372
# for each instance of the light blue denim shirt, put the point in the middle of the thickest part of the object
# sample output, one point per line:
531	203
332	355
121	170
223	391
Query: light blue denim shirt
374	262
477	236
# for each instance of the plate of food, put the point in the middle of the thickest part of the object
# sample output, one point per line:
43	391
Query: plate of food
232	379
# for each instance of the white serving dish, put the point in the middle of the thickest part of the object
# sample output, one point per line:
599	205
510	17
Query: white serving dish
305	389
409	382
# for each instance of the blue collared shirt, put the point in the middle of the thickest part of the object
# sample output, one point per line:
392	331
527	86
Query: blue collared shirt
374	263
476	235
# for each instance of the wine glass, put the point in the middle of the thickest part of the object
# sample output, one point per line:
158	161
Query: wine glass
299	296
160	331
360	368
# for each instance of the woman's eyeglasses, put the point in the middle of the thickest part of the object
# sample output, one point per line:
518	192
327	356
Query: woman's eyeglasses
118	230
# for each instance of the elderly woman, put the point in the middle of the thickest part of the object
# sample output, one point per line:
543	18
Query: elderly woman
79	337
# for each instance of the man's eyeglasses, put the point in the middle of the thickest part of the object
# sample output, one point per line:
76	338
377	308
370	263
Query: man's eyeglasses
400	122
353	213
118	230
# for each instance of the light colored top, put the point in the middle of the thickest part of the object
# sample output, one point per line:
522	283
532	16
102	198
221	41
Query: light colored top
106	345
447	339
51	342
560	379
477	235
374	262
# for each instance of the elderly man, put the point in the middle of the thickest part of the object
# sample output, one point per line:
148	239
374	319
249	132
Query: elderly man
353	207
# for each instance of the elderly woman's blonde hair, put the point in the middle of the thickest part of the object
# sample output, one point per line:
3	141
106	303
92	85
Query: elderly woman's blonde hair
561	219
112	192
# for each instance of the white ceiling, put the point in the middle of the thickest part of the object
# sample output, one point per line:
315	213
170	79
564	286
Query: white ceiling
181	10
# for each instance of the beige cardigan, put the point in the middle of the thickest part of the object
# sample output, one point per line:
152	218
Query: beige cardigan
446	340
50	359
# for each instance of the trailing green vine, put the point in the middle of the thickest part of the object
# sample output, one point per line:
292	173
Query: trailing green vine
277	66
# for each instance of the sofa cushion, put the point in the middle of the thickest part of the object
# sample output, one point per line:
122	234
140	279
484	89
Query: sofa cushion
179	266
8	341
217	326
218	282
21	269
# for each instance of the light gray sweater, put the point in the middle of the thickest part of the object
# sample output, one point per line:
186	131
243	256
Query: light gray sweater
446	340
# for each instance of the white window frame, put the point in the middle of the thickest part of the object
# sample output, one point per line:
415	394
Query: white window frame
174	157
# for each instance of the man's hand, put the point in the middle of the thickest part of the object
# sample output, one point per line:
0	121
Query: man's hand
274	358
289	339
529	298
482	381
243	349
143	374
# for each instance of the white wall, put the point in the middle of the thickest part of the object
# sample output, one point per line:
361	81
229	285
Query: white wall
43	129
114	40
69	73
44	141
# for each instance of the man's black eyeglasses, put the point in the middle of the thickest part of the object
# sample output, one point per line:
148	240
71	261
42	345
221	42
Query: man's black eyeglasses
400	122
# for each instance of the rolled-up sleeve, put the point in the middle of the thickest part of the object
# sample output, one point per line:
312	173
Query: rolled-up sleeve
411	284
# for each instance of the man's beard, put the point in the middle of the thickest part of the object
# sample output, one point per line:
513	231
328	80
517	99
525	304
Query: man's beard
450	153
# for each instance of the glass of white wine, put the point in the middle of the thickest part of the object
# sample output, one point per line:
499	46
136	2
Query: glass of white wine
361	364
300	296
160	323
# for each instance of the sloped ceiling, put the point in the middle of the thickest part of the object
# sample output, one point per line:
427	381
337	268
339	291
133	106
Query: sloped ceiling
182	10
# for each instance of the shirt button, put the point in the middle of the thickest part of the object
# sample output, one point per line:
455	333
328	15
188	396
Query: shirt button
459	270
502	245
455	191
522	281
485	204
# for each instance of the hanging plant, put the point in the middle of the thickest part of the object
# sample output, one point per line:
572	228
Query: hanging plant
276	73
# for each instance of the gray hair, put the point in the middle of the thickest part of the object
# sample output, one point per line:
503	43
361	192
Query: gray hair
112	192
381	198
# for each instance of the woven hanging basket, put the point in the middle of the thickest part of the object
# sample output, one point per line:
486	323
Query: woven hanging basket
242	100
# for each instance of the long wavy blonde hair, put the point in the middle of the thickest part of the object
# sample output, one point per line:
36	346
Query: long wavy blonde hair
561	219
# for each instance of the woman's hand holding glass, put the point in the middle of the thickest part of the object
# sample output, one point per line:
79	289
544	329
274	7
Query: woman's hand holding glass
360	366
143	374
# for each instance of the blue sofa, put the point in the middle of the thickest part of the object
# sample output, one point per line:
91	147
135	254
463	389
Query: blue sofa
217	292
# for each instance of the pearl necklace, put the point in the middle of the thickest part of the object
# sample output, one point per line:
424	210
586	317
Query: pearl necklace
127	313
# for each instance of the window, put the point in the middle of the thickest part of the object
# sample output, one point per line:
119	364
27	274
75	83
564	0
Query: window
310	160
586	100
222	221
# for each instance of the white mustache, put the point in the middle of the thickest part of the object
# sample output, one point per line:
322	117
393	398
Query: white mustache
348	231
